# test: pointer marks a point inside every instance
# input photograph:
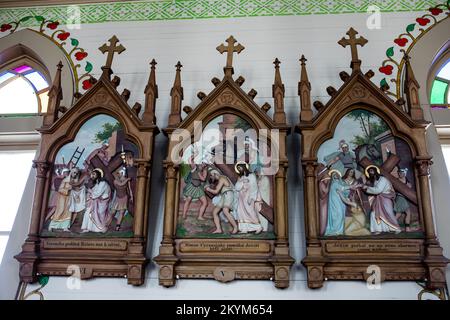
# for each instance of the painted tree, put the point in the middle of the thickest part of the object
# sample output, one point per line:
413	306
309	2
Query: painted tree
371	126
107	130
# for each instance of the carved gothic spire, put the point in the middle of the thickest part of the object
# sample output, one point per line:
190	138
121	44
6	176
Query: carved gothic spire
304	91
151	94
411	91
279	116
55	96
177	97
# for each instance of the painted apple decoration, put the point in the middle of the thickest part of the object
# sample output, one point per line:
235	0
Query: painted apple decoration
423	21
435	11
5	27
387	69
53	25
401	41
80	55
63	36
87	84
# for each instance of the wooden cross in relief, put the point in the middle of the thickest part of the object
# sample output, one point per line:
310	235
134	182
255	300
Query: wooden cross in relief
230	49
386	169
111	49
353	42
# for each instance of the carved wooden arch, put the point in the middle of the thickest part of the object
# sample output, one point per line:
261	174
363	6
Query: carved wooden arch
58	137
224	109
230	109
379	104
342	256
213	106
180	257
119	254
324	136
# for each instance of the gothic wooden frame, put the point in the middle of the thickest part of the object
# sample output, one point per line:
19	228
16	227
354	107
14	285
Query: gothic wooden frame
270	259
329	258
118	256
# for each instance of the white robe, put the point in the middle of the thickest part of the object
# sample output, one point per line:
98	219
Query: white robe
96	217
248	204
264	188
77	201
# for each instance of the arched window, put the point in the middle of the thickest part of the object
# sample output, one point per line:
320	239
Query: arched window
440	93
23	90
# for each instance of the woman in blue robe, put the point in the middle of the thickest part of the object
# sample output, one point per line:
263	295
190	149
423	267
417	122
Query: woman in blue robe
336	207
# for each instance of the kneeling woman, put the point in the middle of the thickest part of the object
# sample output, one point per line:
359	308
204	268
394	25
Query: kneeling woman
355	225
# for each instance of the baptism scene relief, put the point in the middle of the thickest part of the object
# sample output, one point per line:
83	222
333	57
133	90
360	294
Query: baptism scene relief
226	188
93	183
366	181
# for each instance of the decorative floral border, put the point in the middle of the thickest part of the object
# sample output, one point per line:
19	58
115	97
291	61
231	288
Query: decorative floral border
404	44
74	54
205	9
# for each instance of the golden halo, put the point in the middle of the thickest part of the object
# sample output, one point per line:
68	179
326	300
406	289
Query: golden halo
99	171
238	163
366	171
335	171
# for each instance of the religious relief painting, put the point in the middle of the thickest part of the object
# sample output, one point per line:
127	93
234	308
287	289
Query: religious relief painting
92	190
366	180
225	195
93	183
225	215
366	174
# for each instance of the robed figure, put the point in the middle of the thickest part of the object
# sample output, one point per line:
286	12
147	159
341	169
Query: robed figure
96	218
248	200
336	207
61	218
382	195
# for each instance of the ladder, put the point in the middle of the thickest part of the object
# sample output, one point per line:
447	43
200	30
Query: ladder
76	156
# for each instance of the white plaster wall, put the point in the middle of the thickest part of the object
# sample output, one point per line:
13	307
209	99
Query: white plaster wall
193	42
422	57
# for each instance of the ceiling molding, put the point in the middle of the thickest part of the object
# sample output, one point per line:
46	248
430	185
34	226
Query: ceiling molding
35	3
113	11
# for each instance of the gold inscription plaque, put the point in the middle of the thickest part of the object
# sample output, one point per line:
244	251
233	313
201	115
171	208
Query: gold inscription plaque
84	244
224	246
361	247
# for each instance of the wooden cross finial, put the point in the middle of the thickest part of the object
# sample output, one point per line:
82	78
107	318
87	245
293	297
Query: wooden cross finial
303	60
353	42
111	49
278	81
276	62
178	66
230	49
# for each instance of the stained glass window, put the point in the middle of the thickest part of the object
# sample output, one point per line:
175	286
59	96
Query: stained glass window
440	93
23	90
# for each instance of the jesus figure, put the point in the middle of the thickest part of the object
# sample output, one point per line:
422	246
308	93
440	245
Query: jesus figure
382	216
249	201
96	216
